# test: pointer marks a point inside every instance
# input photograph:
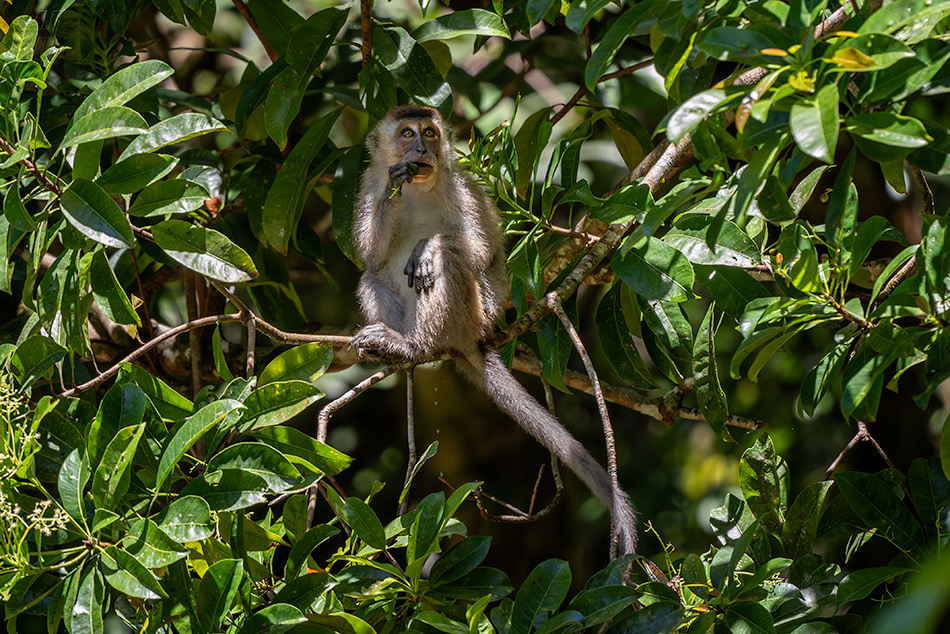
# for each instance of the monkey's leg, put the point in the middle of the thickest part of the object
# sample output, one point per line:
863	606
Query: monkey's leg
384	310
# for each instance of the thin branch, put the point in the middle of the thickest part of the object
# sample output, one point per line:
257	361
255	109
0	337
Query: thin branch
925	193
323	419
863	324
560	114
410	437
30	165
135	354
366	30
908	269
249	18
194	338
251	344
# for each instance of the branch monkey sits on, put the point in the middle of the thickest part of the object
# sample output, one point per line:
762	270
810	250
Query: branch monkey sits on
435	280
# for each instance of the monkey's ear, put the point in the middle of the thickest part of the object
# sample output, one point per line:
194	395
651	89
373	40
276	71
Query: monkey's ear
372	141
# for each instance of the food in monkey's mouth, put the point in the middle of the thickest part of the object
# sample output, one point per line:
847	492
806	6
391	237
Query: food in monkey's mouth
423	169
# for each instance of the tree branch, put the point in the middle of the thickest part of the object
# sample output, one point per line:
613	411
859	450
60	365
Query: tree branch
249	18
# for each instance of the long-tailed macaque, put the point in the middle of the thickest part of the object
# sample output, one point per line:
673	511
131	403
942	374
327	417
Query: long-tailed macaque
435	280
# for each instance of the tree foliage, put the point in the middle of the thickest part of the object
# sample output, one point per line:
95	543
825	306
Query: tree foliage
718	171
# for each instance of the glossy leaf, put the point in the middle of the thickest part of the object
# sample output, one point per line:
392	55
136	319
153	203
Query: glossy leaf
879	507
128	575
459	560
169	403
364	522
176	129
229	490
105	123
186	519
425	527
219	587
655	270
175	196
463	22
205	251
135	173
297	558
189	431
277	403
110	296
276	618
617	341
122	406
85	615
412	67
709	395
111	479
303	450
885	136
688	115
613	39
814	124
732	247
151	546
801	523
73	477
307	363
543	591
860	583
91	211
284	204
258	459
123	85
764	479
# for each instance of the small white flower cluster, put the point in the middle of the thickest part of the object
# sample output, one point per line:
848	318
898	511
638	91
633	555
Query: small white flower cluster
10	514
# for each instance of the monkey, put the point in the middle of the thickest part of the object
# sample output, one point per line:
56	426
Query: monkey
435	280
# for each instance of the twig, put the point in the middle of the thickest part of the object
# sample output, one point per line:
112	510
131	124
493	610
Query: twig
863	324
862	435
366	30
925	192
908	269
30	165
560	114
151	343
249	18
654	407
194	339
323	419
602	408
251	322
410	437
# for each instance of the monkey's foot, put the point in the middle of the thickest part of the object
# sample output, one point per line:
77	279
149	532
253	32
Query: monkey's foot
379	341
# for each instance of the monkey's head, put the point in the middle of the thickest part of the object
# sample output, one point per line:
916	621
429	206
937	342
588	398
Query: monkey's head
415	134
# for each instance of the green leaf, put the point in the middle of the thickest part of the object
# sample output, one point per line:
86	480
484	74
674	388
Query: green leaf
278	22
931	493
15	212
597	605
258	459
481	582
110	296
90	210
801	522
126	574
764	477
34	358
166	401
884	50
122	406
297	558
885	136
860	583
535	10
307	363
229	490
364	522
819	378
276	618
459	560
134	173
542	592
668	322
529	141
105	123
220	362
657	618
72	480
618	32
84	611
303	450
111	480
151	546
879	507
464	22
554	344
411	66
19	40
731	246
689	113
617	342
709	395
176	129
186	434
284	204
277	403
814	124
425	527
205	251
342	622
177	196
186	519
217	591
744	617
729	42
731	289
655	270
123	85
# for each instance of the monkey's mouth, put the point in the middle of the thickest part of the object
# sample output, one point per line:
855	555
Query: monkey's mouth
423	170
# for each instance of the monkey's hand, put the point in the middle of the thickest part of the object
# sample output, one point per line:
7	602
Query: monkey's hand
400	174
421	265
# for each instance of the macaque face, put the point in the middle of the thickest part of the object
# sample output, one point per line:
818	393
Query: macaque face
419	141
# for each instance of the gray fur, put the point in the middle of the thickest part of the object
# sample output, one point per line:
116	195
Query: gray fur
435	280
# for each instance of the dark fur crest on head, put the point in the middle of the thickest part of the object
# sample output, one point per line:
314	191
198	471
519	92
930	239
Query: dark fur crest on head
412	111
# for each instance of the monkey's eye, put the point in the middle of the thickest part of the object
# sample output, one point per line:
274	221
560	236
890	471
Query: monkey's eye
428	132
408	134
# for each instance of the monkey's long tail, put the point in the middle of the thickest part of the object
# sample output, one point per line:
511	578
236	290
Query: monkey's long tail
488	372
